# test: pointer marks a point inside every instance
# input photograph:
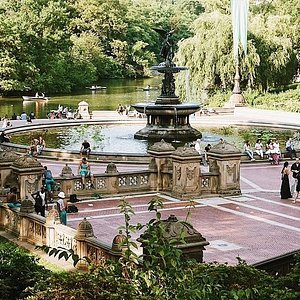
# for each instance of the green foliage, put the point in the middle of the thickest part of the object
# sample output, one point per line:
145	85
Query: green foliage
163	274
18	271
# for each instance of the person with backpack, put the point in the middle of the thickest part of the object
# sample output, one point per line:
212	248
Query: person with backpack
49	182
40	201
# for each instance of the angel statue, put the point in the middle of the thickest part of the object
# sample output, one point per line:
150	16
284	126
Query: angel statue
167	51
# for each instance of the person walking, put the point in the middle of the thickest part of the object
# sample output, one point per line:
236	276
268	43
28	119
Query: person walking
285	191
62	206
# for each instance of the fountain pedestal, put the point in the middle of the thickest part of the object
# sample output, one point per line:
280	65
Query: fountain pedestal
168	118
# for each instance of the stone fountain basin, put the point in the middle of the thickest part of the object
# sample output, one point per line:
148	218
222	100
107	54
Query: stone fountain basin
167	109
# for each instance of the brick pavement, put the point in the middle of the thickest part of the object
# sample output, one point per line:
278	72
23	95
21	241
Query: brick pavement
255	226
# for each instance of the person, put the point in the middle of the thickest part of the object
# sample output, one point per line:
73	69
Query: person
29	120
14	116
23	116
49	182
40	201
259	148
248	151
32	115
198	146
289	147
285	191
40	145
270	149
120	109
277	152
295	168
84	171
85	149
4	138
62	206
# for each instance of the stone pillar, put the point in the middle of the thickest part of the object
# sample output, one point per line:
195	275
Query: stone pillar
83	110
26	208
112	184
161	162
67	184
226	158
194	242
52	219
84	231
28	172
186	172
6	160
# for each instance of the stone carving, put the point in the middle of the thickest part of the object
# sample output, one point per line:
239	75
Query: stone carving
65	241
84	230
11	180
27	206
26	162
190	173
8	156
111	168
117	244
185	152
53	217
31	184
67	172
161	146
224	148
178	172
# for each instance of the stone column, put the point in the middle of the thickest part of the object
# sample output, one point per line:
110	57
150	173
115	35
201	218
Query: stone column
112	184
186	173
67	184
28	172
84	231
25	209
83	110
226	158
161	164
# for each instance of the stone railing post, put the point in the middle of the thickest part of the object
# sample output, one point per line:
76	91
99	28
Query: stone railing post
28	172
186	173
226	158
26	208
112	182
67	184
161	164
52	219
84	231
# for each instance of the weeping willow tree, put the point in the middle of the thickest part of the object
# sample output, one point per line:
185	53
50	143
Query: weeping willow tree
270	61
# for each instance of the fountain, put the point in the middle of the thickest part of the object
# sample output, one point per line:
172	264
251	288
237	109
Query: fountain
167	118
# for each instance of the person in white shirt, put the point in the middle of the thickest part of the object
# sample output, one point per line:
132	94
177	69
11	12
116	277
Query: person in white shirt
248	151
259	148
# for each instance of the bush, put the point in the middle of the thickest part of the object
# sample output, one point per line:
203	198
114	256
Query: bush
18	271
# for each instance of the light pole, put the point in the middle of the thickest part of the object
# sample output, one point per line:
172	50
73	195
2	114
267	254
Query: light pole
239	14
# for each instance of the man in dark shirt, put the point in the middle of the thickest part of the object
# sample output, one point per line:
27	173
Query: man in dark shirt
85	149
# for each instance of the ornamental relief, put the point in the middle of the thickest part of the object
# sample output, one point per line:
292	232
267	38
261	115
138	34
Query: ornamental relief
177	173
65	241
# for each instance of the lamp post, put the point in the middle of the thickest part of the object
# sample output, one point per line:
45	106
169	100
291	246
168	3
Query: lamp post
239	13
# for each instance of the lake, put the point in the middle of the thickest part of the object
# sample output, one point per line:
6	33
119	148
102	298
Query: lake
124	91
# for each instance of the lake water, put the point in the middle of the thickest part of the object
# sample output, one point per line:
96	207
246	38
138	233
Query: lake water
122	91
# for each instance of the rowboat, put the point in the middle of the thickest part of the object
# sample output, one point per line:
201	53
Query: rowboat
96	87
33	98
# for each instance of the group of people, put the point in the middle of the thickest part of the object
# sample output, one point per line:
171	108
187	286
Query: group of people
290	181
271	150
36	146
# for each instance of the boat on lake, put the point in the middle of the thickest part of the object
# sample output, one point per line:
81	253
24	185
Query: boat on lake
35	98
96	87
147	88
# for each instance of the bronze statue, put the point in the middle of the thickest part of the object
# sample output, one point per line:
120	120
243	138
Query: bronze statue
167	49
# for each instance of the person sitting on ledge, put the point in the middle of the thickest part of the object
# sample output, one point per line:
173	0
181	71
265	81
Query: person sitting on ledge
85	149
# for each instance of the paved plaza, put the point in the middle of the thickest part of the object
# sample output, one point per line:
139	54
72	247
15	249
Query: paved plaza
254	226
